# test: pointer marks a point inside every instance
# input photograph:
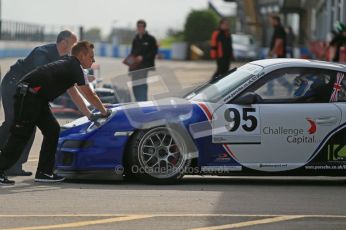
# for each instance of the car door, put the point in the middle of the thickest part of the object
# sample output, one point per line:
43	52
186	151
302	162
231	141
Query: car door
337	150
287	125
339	93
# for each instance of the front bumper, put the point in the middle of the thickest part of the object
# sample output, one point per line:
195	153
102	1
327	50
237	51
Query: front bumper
115	174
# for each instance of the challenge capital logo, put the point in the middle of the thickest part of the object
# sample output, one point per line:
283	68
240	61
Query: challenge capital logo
313	127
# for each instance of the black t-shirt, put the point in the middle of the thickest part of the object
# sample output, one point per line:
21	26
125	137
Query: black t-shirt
226	43
146	47
338	41
55	78
279	33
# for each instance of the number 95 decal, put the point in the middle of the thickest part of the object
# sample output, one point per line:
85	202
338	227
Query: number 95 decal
236	124
241	119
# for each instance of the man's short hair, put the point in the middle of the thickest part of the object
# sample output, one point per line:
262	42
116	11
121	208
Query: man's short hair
82	46
141	21
276	18
64	35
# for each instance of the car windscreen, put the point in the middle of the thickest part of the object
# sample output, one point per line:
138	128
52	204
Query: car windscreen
215	91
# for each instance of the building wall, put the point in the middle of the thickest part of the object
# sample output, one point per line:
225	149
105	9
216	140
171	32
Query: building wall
316	18
326	13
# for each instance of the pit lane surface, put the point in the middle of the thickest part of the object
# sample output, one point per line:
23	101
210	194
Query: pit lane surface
197	202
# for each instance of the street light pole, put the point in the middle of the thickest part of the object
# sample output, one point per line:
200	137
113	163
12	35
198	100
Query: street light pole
0	19
114	37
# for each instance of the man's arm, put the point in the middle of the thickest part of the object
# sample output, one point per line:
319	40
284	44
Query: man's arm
332	46
278	47
77	99
91	96
153	48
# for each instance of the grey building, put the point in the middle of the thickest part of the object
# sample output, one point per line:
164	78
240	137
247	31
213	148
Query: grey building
310	19
324	14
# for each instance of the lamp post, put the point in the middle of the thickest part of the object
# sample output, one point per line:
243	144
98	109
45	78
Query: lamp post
114	36
0	19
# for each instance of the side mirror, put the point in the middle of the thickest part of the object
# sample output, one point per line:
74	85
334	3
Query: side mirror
247	99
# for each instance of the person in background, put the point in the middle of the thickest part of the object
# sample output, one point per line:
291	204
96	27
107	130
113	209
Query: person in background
278	41
39	56
277	50
338	41
221	48
31	105
290	37
144	49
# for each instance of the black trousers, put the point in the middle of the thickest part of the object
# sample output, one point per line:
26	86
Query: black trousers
8	91
223	65
31	111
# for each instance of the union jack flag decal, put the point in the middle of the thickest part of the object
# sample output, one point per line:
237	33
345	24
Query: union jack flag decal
337	87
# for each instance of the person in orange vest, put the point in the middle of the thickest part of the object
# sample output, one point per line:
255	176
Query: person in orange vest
221	48
338	43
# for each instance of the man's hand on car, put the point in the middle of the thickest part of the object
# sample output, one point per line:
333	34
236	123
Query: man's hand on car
95	116
108	113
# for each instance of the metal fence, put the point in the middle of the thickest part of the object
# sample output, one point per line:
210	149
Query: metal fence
21	31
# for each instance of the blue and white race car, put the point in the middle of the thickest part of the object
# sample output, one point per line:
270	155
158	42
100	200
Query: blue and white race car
268	117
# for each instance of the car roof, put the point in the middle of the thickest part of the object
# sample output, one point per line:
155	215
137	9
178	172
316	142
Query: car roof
291	62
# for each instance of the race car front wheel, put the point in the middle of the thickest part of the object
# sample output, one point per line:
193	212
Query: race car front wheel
157	155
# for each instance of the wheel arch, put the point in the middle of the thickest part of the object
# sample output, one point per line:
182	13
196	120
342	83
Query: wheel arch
190	146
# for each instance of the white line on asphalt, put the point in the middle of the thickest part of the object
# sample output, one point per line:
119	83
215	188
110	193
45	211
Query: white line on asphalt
271	218
84	223
250	223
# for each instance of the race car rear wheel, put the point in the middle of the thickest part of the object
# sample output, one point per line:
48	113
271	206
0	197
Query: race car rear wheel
157	155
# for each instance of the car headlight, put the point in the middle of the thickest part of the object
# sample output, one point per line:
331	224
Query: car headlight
75	123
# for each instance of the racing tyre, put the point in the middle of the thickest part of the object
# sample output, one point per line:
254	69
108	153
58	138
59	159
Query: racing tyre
158	156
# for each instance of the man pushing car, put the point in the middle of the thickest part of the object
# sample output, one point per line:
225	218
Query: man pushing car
31	107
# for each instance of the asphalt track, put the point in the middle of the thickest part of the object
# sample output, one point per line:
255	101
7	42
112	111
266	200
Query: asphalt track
195	203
